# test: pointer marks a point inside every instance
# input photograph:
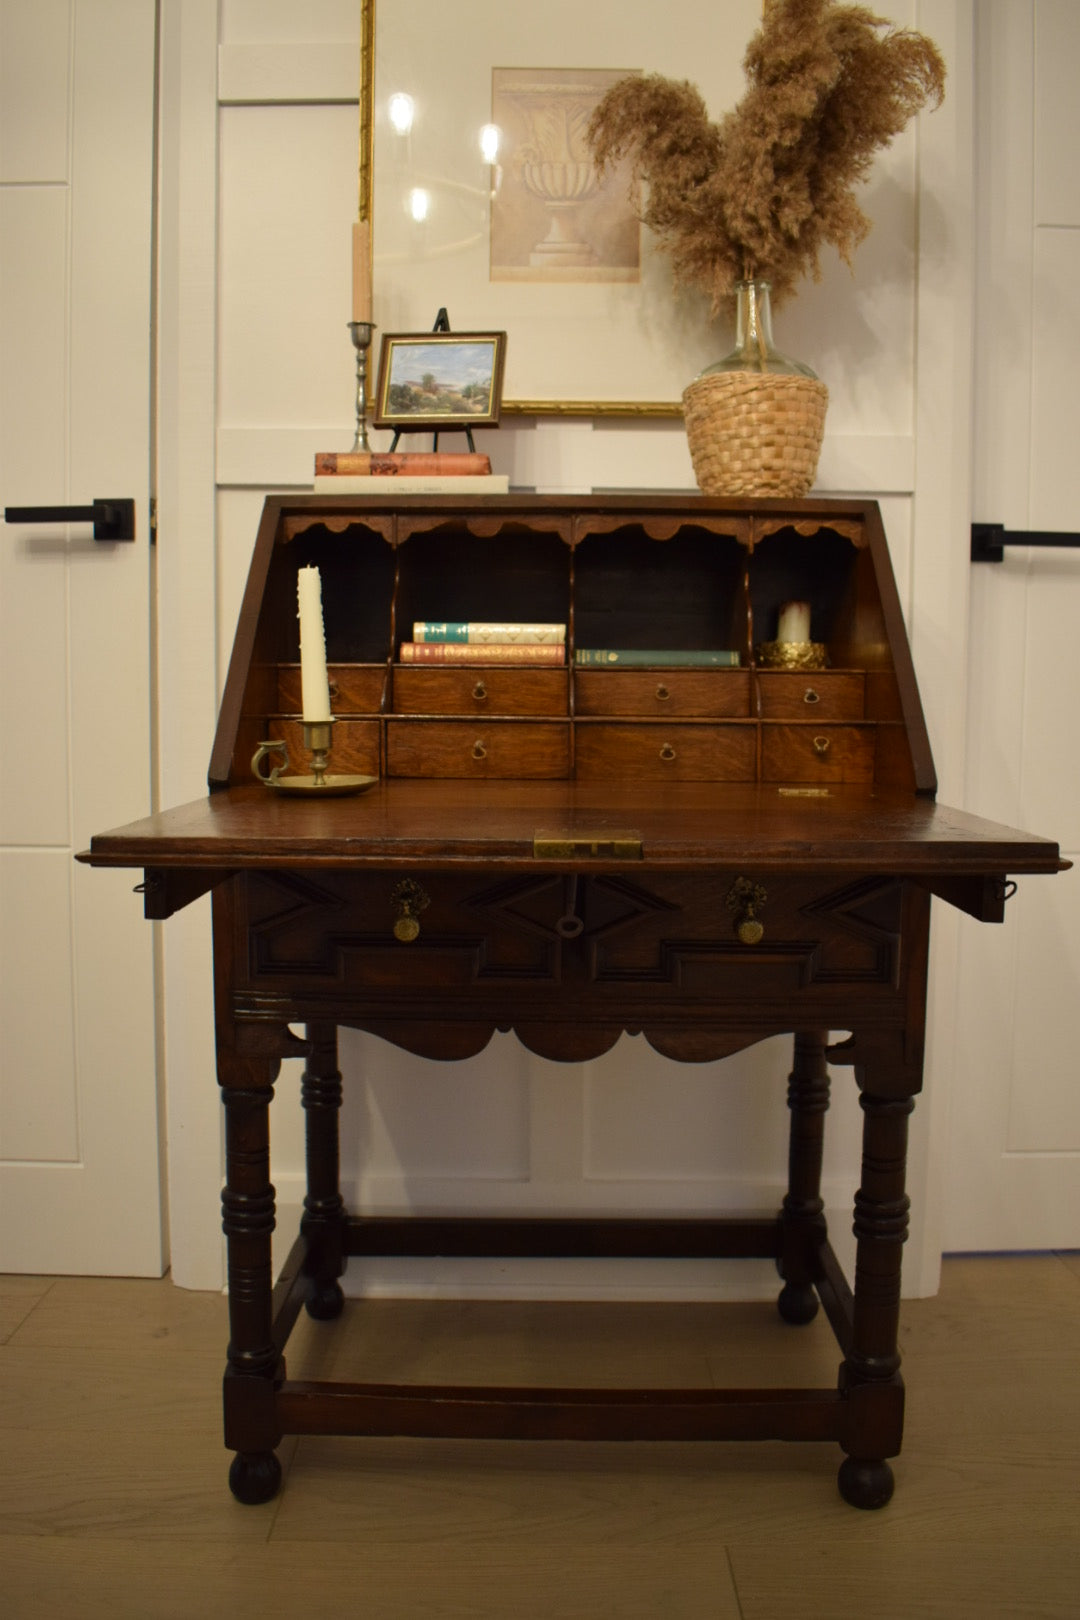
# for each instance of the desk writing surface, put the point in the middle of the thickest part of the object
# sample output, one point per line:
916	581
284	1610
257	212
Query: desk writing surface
441	823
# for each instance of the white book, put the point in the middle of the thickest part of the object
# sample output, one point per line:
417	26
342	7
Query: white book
430	484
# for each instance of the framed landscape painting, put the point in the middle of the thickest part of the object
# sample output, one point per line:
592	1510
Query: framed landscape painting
435	380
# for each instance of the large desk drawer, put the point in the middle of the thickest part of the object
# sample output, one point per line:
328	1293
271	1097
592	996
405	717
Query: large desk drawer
627	945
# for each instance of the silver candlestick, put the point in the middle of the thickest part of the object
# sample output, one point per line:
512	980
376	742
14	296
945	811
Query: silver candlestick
361	335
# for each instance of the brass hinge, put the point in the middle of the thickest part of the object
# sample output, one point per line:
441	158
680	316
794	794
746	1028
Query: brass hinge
565	846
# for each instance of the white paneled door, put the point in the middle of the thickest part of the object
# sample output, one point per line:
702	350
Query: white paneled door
1014	1165
79	1171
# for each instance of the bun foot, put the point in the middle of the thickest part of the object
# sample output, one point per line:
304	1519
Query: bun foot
254	1476
325	1301
865	1484
797	1305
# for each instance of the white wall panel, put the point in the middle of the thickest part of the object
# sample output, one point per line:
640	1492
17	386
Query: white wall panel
412	1120
1054	318
287	200
38	1079
33	561
34	64
1044	1114
262	20
1057	112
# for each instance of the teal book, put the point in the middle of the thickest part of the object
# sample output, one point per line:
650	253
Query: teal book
481	634
670	657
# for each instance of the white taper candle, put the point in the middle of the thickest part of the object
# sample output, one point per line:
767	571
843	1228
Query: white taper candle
314	684
794	622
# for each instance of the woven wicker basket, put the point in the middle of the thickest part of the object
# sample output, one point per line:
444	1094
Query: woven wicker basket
754	434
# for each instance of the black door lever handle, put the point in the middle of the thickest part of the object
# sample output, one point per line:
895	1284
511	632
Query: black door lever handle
112	520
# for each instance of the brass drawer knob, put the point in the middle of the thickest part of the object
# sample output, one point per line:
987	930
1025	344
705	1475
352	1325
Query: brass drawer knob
810	696
744	900
662	692
821	746
409	899
667	752
478	750
479	692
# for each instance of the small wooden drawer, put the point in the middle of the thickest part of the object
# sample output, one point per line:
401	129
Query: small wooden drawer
810	753
484	748
659	753
354	688
661	692
479	689
812	694
354	746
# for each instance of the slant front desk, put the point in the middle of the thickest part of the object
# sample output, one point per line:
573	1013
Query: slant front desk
705	855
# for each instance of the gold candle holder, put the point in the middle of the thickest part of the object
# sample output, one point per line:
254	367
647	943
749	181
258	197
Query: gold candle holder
320	782
792	654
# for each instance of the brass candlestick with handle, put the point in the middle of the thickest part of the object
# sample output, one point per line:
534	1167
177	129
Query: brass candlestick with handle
319	781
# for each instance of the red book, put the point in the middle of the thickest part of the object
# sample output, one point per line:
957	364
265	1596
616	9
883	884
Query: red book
464	652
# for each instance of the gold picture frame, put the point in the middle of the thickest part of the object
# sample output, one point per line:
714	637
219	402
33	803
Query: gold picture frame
429	381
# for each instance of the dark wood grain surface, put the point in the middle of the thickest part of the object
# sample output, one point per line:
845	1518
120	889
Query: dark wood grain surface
435	823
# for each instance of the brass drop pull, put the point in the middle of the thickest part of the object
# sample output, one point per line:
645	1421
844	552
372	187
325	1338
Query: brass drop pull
334	688
409	899
662	692
478	750
744	900
810	696
667	752
821	746
479	691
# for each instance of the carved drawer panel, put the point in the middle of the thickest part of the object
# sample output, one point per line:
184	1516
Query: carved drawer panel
483	748
551	937
724	693
480	689
354	688
658	753
354	748
812	753
812	694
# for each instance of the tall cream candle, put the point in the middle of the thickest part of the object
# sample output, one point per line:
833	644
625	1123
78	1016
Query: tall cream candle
361	270
794	622
314	684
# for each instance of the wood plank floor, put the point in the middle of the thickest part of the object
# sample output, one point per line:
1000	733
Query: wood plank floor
114	1502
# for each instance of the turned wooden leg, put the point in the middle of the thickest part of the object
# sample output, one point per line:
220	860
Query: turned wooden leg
803	1214
254	1362
323	1222
870	1374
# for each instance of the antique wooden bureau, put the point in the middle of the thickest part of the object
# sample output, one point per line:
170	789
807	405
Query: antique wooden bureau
708	856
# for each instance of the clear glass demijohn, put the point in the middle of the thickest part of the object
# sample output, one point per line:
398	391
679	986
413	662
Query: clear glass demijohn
754	348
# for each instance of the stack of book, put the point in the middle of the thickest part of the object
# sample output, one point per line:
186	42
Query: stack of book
460	642
361	472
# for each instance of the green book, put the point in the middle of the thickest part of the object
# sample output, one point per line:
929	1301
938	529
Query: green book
637	657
